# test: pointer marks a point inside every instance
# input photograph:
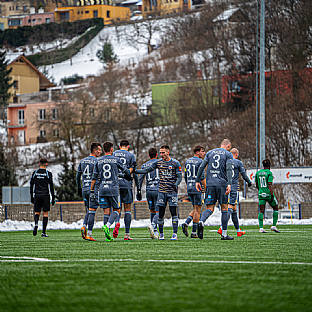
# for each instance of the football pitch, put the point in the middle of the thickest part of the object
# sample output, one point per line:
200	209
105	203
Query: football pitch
257	272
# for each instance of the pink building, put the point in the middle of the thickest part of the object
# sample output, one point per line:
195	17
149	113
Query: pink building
38	18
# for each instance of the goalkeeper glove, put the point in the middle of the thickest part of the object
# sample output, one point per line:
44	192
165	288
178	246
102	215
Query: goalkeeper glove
32	200
127	177
53	201
249	184
92	196
79	191
139	195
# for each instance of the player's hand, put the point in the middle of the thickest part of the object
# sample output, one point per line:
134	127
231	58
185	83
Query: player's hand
32	200
53	202
139	195
79	191
249	184
198	187
127	177
175	188
272	198
228	190
92	196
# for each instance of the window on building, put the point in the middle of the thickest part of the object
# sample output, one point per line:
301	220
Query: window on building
42	114
17	7
39	19
54	113
91	111
25	8
1	26
87	12
34	20
21	117
95	13
15	99
15	22
42	133
48	20
15	84
64	16
108	14
56	133
29	20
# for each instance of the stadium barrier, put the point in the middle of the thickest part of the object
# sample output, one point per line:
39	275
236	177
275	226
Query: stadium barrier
69	212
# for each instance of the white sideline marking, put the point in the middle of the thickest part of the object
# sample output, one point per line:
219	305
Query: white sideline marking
30	259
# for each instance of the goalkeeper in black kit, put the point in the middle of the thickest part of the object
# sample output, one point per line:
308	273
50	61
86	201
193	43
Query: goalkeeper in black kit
41	185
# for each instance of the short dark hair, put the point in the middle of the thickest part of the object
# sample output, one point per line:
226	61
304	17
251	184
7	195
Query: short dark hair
165	147
94	146
198	148
107	146
266	162
152	152
124	143
43	161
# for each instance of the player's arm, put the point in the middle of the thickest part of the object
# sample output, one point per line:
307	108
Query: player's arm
78	182
136	180
229	173
245	177
270	185
199	174
141	179
147	169
125	170
185	175
32	189
203	182
52	188
95	176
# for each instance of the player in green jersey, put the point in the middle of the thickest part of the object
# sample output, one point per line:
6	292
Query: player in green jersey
264	181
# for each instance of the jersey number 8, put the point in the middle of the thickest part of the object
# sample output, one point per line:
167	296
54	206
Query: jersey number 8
107	171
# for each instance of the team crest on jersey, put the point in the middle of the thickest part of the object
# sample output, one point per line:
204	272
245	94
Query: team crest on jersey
180	168
170	167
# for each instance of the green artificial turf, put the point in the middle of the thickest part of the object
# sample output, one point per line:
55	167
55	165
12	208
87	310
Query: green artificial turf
257	272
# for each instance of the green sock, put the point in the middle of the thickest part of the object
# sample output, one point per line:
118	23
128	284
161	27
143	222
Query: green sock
275	217
260	218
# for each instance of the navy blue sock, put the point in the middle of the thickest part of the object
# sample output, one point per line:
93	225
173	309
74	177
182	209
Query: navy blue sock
127	221
161	225
91	221
224	219
85	220
206	214
194	230
235	220
113	217
175	224
230	211
188	220
155	221
152	216
105	218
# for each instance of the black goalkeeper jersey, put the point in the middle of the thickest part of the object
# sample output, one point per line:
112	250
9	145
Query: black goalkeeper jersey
40	181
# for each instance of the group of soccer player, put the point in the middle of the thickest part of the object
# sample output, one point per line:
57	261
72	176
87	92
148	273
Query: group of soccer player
106	182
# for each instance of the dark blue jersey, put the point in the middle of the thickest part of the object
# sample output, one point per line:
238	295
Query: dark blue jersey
237	167
191	169
128	160
216	172
106	173
152	178
85	170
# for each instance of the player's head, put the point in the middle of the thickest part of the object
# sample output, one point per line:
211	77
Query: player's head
199	151
266	163
124	144
226	144
164	152
235	152
96	149
43	162
108	147
152	152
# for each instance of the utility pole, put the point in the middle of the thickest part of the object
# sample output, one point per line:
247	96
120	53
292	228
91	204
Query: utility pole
262	81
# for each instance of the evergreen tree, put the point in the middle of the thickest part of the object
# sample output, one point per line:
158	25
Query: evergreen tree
67	191
7	174
107	55
5	84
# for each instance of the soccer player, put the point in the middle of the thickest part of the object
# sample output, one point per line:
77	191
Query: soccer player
264	181
152	184
237	167
125	186
106	172
191	169
170	176
85	170
218	181
42	181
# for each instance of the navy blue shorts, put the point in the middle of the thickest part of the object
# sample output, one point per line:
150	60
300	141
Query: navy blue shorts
151	197
170	198
85	196
234	196
109	202
196	199
126	196
214	194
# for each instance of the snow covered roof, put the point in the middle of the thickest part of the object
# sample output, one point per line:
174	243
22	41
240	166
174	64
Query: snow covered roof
12	56
130	2
225	15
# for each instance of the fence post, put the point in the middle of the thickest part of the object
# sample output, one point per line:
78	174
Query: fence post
300	212
6	212
61	213
134	210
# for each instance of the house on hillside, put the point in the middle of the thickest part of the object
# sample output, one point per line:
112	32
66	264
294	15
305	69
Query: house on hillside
109	13
158	8
176	100
8	8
